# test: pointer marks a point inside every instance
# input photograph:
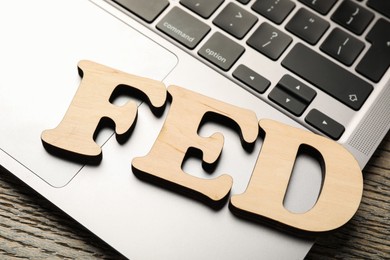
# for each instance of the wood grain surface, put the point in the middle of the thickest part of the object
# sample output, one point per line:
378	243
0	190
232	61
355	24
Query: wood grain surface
33	228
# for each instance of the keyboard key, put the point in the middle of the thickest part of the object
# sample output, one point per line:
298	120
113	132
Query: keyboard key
321	6
183	27
251	78
307	26
269	41
204	8
327	76
296	87
221	51
243	1
342	46
325	124
292	95
353	16
275	10
287	101
377	59
235	20
382	6
146	10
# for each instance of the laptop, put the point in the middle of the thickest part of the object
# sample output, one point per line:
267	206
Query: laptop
251	54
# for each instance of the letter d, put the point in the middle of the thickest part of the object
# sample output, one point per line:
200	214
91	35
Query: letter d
342	185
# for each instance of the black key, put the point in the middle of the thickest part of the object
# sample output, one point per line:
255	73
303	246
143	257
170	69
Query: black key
243	1
221	51
235	20
269	41
377	59
353	16
327	76
342	46
324	124
146	10
296	87
251	78
321	6
382	6
183	27
307	26
275	10
287	101
204	8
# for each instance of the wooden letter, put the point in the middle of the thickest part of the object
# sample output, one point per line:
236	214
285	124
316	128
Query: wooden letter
73	137
163	164
342	185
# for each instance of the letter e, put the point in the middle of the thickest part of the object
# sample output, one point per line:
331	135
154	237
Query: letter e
163	164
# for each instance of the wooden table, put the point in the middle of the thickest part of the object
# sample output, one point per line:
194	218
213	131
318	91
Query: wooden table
31	227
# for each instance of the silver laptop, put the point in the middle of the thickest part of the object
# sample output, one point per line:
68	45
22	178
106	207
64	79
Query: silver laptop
252	54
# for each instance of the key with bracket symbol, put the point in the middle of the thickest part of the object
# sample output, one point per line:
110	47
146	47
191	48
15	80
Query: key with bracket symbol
353	16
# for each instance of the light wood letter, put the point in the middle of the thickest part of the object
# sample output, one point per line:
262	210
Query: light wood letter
342	185
74	136
163	164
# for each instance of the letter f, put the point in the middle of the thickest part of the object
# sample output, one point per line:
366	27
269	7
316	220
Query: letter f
74	136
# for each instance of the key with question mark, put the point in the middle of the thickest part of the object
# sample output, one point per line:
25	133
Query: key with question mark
269	41
274	35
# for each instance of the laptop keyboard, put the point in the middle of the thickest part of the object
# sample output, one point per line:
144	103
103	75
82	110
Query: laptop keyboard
239	25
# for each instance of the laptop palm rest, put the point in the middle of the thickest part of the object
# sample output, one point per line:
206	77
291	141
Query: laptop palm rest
41	73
